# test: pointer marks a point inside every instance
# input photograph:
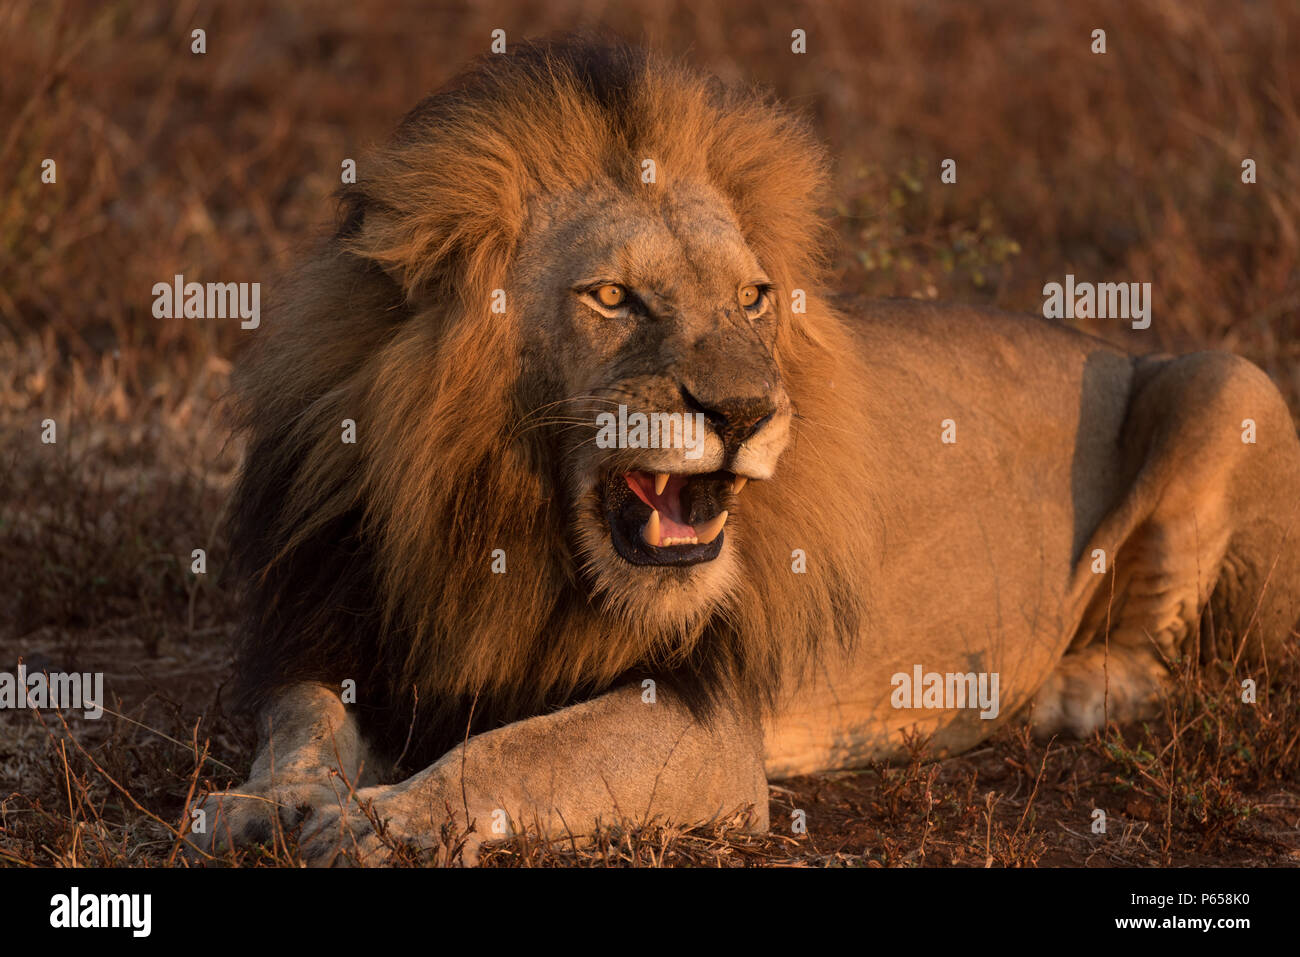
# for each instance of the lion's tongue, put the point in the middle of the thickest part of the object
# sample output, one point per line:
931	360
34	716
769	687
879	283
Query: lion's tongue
672	523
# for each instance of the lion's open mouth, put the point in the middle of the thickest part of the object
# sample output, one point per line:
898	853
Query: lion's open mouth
660	519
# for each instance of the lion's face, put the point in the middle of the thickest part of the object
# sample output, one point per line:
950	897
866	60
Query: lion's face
649	366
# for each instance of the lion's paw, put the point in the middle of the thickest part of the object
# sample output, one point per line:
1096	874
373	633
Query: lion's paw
348	835
254	814
379	822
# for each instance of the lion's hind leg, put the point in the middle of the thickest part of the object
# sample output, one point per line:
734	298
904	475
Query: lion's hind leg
1144	610
1208	534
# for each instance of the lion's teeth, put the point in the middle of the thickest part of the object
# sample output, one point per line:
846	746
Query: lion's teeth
738	484
650	533
709	530
661	482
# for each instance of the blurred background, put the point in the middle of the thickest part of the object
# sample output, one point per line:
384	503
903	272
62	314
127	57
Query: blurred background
1117	167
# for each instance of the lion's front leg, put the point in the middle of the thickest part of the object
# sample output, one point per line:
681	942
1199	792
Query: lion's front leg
615	758
310	757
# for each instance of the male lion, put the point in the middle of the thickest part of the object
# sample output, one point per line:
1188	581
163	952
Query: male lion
553	632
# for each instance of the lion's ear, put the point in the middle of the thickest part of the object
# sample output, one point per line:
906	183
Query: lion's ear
358	222
351	214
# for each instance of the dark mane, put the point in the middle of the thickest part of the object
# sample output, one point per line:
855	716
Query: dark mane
371	561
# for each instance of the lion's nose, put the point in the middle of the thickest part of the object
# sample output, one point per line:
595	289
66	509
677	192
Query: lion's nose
734	418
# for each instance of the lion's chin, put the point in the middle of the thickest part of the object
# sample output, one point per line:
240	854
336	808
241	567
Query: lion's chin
664	599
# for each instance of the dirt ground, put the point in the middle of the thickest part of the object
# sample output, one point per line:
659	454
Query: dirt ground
1120	166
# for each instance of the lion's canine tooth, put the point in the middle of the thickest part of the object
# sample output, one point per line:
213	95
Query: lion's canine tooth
709	530
651	531
738	484
661	482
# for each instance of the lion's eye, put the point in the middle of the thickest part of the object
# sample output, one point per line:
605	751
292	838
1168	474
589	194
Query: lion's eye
753	298
610	295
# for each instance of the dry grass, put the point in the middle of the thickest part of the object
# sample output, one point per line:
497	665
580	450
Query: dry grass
1123	167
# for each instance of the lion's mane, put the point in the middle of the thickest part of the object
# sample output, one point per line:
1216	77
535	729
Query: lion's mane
372	561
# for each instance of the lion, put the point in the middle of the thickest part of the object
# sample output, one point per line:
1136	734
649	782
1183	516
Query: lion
867	520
